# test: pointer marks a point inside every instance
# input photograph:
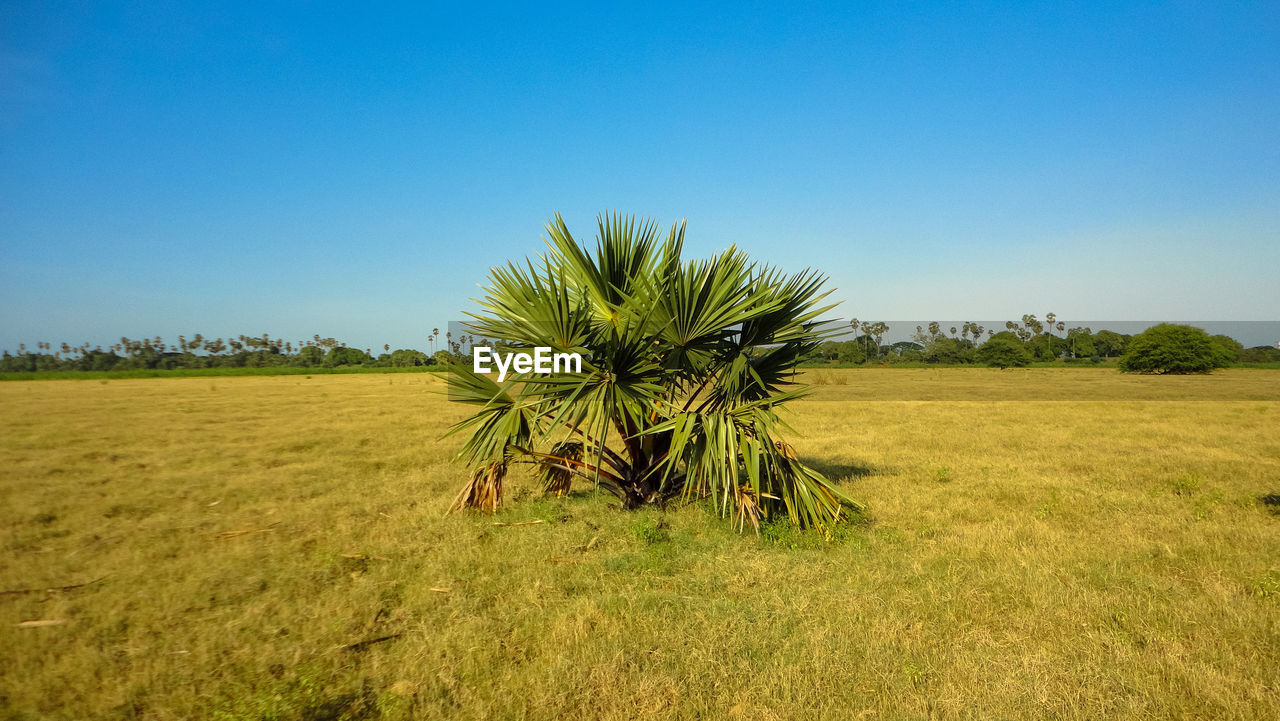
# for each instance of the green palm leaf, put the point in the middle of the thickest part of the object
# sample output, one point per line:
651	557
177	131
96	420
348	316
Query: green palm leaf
684	366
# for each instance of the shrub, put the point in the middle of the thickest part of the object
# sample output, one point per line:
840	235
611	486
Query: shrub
950	351
1260	354
1231	347
343	356
1171	348
406	357
309	356
1003	353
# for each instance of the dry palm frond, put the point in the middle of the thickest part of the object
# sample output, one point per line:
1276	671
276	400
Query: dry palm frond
554	474
747	508
484	490
787	450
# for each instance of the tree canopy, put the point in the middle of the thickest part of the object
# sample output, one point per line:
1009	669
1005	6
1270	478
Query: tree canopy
1172	348
1003	353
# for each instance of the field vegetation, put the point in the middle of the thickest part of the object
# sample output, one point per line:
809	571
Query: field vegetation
258	354
1039	543
1025	342
1029	341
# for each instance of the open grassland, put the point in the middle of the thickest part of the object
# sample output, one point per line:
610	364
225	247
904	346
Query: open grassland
276	548
77	375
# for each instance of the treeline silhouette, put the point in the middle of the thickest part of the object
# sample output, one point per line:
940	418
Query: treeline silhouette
1028	339
1047	340
243	351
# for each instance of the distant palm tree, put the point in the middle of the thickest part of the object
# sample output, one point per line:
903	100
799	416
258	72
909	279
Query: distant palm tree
1049	319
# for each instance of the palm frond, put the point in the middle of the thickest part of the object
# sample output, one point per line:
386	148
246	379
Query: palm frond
684	364
484	490
554	471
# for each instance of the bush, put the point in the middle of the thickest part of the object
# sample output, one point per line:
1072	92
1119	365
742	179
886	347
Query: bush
404	358
1110	344
309	356
1171	348
1260	354
1003	353
444	358
343	356
1231	347
950	351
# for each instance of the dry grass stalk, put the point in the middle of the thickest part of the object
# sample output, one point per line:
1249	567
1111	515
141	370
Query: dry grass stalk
224	535
54	589
362	645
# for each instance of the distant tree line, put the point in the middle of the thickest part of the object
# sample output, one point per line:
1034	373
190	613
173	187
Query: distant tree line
1020	343
243	351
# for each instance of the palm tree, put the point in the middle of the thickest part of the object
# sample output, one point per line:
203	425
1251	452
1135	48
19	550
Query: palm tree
1033	326
878	329
684	365
873	331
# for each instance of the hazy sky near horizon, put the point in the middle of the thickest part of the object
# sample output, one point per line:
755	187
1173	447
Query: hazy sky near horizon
355	171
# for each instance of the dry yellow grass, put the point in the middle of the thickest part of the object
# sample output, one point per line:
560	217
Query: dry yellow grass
277	548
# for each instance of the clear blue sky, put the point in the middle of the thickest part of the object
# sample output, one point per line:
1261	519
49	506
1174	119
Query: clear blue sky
316	168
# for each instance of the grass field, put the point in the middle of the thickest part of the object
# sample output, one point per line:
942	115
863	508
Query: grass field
208	372
276	548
